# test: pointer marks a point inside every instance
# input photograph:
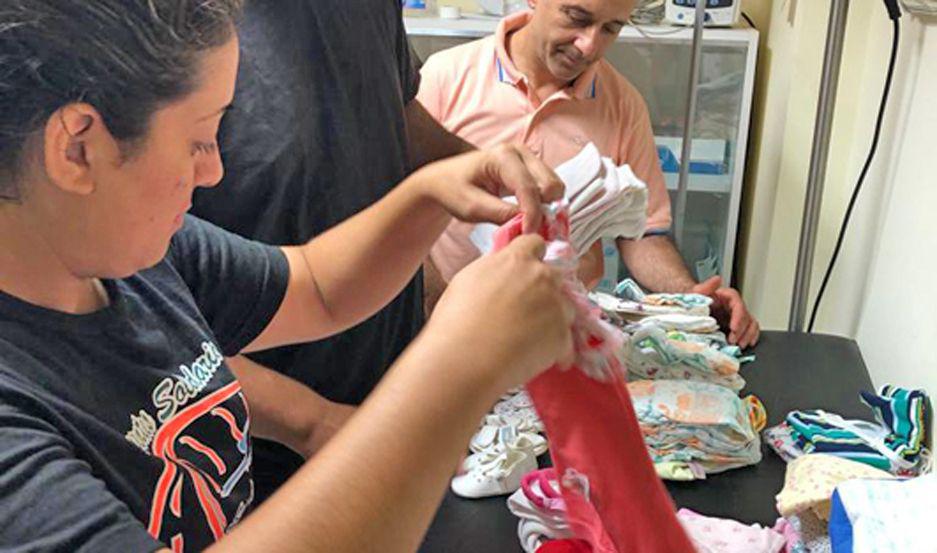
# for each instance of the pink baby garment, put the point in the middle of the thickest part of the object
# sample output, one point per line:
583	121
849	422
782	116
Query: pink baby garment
614	499
722	535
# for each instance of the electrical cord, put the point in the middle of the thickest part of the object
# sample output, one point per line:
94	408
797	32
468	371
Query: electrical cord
643	30
749	20
894	13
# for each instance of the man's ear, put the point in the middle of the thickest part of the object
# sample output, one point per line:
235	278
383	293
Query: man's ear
75	139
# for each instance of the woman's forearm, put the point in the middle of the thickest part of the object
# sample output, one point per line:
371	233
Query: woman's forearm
376	485
363	263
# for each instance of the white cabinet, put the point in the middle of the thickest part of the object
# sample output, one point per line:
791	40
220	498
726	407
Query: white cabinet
657	61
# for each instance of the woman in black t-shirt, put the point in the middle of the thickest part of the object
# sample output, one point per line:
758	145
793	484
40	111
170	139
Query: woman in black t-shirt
121	426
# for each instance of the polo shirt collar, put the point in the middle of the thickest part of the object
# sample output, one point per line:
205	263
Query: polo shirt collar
583	87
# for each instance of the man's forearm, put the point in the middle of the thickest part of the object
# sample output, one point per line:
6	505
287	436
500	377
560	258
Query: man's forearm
398	240
286	411
433	286
656	264
427	140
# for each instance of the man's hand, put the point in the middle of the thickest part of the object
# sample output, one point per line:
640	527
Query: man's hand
592	266
729	309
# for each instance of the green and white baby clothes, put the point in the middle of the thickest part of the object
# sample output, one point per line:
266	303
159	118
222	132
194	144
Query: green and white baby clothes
650	353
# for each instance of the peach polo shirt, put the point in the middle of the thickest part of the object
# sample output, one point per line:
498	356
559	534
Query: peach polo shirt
476	92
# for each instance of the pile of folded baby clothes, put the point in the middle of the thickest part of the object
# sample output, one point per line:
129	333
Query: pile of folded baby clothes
684	316
633	297
844	489
676	356
673	336
844	506
605	200
895	442
652	353
694	428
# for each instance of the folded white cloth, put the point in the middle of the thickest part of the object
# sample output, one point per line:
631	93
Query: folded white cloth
636	310
612	205
605	201
696	324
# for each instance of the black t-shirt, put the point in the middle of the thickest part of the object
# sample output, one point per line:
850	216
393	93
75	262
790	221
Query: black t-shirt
317	133
124	430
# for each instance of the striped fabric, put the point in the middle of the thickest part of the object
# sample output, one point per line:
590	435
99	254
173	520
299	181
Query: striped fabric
904	413
817	431
894	444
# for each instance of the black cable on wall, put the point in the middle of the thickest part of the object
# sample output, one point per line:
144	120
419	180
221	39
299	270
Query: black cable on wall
894	13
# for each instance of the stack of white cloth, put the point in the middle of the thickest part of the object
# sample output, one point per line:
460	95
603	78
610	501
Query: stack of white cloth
605	201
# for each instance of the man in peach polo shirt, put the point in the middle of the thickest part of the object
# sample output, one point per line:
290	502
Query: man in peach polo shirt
541	80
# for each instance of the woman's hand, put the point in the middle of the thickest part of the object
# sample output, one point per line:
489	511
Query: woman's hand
469	186
509	313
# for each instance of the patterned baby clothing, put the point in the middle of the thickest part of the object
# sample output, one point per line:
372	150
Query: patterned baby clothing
810	480
700	423
814	537
781	440
651	354
693	304
715	340
721	535
869	516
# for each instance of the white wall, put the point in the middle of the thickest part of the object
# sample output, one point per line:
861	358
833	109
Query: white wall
897	327
879	292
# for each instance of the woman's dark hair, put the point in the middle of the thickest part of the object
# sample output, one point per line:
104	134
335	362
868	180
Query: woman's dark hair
127	58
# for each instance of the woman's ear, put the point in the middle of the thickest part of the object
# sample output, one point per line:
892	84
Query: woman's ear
76	139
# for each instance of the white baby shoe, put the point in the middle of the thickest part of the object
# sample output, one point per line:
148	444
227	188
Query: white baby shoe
525	420
491	437
517	402
498	475
533	444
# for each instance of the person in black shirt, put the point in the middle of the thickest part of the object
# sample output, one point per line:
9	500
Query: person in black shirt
121	426
325	123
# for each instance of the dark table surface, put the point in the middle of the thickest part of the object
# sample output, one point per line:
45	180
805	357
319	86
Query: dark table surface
792	371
